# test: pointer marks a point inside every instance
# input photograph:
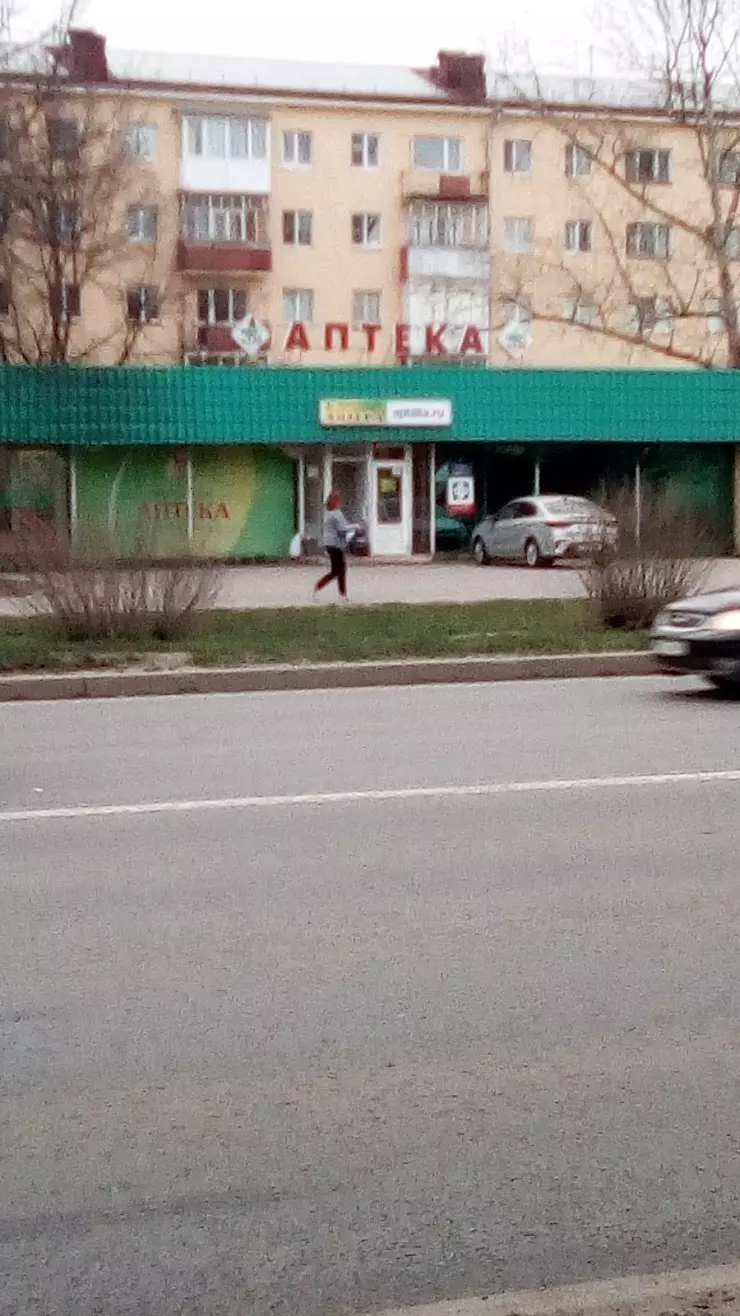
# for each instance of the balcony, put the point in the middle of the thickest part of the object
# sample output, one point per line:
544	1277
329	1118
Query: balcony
455	263
223	233
222	258
426	183
447	240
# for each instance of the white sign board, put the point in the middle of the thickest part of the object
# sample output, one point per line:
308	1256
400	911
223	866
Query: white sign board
419	411
250	336
461	494
515	338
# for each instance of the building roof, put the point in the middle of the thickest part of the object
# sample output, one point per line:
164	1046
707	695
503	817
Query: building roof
610	93
130	405
280	75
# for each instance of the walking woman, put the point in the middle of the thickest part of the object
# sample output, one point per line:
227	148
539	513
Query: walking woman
337	533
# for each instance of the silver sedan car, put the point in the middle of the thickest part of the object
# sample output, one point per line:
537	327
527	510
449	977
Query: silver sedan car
539	531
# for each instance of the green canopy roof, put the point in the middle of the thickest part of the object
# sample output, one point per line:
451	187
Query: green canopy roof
65	405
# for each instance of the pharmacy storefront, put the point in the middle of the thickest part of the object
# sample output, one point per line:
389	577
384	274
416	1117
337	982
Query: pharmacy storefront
236	464
386	485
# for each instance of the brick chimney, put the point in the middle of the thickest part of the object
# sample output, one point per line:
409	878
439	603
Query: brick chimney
83	57
463	76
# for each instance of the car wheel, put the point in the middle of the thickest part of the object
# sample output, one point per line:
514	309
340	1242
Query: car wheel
532	555
727	685
480	554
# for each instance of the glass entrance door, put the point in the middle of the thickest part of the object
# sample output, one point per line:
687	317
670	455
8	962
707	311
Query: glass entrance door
391	487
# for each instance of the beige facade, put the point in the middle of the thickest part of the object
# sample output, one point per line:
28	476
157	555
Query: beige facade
417	204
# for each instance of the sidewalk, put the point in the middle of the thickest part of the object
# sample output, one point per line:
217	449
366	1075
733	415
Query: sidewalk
291	586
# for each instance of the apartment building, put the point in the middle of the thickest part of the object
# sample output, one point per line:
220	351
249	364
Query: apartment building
289	214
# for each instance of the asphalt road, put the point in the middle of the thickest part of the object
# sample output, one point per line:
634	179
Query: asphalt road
333	1055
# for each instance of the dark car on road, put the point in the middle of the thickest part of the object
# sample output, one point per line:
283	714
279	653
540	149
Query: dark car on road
701	635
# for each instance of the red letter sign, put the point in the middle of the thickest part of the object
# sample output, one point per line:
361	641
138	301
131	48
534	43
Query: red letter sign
434	345
402	340
371	332
471	341
330	331
297	338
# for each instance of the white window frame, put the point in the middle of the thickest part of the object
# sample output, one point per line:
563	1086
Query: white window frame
223	218
460	225
657	155
293	138
576	230
578	162
363	140
234	315
580	311
303	308
644	238
652	315
518	155
253	129
728	177
362	306
136	226
448	147
142	141
143	289
370	222
302	228
518	310
64	313
514	228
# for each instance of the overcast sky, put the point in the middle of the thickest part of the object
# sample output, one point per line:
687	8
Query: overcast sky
560	35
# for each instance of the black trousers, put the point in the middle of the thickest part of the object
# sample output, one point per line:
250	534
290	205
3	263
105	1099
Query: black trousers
338	572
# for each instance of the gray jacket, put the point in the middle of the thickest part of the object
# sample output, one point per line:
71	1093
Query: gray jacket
336	529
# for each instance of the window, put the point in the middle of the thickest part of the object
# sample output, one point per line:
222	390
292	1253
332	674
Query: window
142	223
366	230
297	227
365	150
646	166
296	148
732	244
231	218
716	320
4	137
579	235
519	235
581	310
365	309
518	157
518	310
728	169
651	314
297	305
4	300
66	301
449	224
649	240
578	162
143	304
445	154
64	138
142	140
65	223
221	305
215	137
4	216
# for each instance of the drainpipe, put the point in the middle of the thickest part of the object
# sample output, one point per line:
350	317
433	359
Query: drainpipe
191	505
537	488
72	499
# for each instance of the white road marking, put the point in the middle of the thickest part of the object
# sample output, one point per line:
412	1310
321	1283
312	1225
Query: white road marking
494	788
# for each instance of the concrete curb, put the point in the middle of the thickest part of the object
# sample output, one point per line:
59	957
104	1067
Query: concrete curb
671	1293
320	676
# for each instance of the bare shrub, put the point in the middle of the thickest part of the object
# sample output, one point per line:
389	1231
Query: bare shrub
661	555
102	597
